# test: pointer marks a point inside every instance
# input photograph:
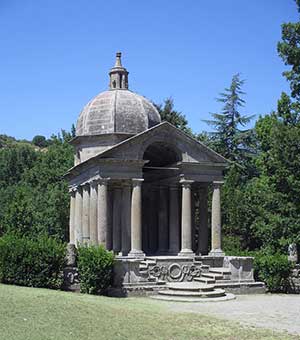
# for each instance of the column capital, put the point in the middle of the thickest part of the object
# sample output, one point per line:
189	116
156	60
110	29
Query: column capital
137	181
186	183
72	190
217	184
93	183
85	185
103	180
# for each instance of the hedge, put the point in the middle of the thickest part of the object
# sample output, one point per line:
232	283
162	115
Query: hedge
274	270
95	267
29	262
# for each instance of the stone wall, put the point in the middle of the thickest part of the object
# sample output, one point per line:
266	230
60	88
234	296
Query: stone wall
295	280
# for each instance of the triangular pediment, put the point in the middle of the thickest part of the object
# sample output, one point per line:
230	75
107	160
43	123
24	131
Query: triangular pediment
190	149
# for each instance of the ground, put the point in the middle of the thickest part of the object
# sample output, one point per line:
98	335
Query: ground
40	314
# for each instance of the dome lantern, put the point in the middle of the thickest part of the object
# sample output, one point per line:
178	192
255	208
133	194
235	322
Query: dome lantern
118	75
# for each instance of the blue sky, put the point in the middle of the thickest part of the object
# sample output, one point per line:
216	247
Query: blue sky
55	56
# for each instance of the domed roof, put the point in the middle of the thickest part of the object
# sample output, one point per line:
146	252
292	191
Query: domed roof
117	110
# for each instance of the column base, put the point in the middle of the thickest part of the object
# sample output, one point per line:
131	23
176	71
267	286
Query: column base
136	254
217	253
123	253
186	252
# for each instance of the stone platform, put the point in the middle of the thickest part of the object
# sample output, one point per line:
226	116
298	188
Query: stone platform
154	274
192	292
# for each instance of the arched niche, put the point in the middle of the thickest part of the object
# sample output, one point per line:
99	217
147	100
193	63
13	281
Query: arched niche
161	154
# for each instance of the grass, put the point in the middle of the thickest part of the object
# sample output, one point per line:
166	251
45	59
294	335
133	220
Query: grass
41	314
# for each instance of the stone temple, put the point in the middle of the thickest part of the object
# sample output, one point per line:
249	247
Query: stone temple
139	187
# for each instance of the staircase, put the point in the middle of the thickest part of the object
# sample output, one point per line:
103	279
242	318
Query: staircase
214	275
192	292
200	289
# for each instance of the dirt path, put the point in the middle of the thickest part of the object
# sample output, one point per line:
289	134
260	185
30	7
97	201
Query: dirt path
277	311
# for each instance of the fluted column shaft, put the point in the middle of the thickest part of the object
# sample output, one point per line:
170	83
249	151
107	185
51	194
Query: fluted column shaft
203	223
78	216
86	213
136	219
216	249
174	232
117	240
186	219
72	217
102	204
93	213
126	218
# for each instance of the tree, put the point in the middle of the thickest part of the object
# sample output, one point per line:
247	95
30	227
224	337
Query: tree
40	141
238	146
35	198
73	131
172	116
274	194
289	51
228	139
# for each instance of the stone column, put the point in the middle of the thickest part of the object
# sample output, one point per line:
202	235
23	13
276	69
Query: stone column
78	216
153	219
216	249
102	211
109	240
117	241
86	213
93	213
163	232
186	219
126	215
203	222
72	217
174	231
136	219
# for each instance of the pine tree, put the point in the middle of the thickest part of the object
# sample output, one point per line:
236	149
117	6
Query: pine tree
228	138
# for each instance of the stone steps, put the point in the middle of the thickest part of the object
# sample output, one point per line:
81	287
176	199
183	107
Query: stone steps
192	292
220	270
205	280
200	294
193	299
212	276
190	286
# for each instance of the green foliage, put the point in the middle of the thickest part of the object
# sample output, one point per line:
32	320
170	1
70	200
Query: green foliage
34	197
289	51
274	270
95	266
172	116
274	194
32	262
14	161
40	141
231	244
6	141
229	140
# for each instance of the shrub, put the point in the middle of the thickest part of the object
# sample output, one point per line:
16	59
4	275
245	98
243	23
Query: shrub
32	262
95	266
274	270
